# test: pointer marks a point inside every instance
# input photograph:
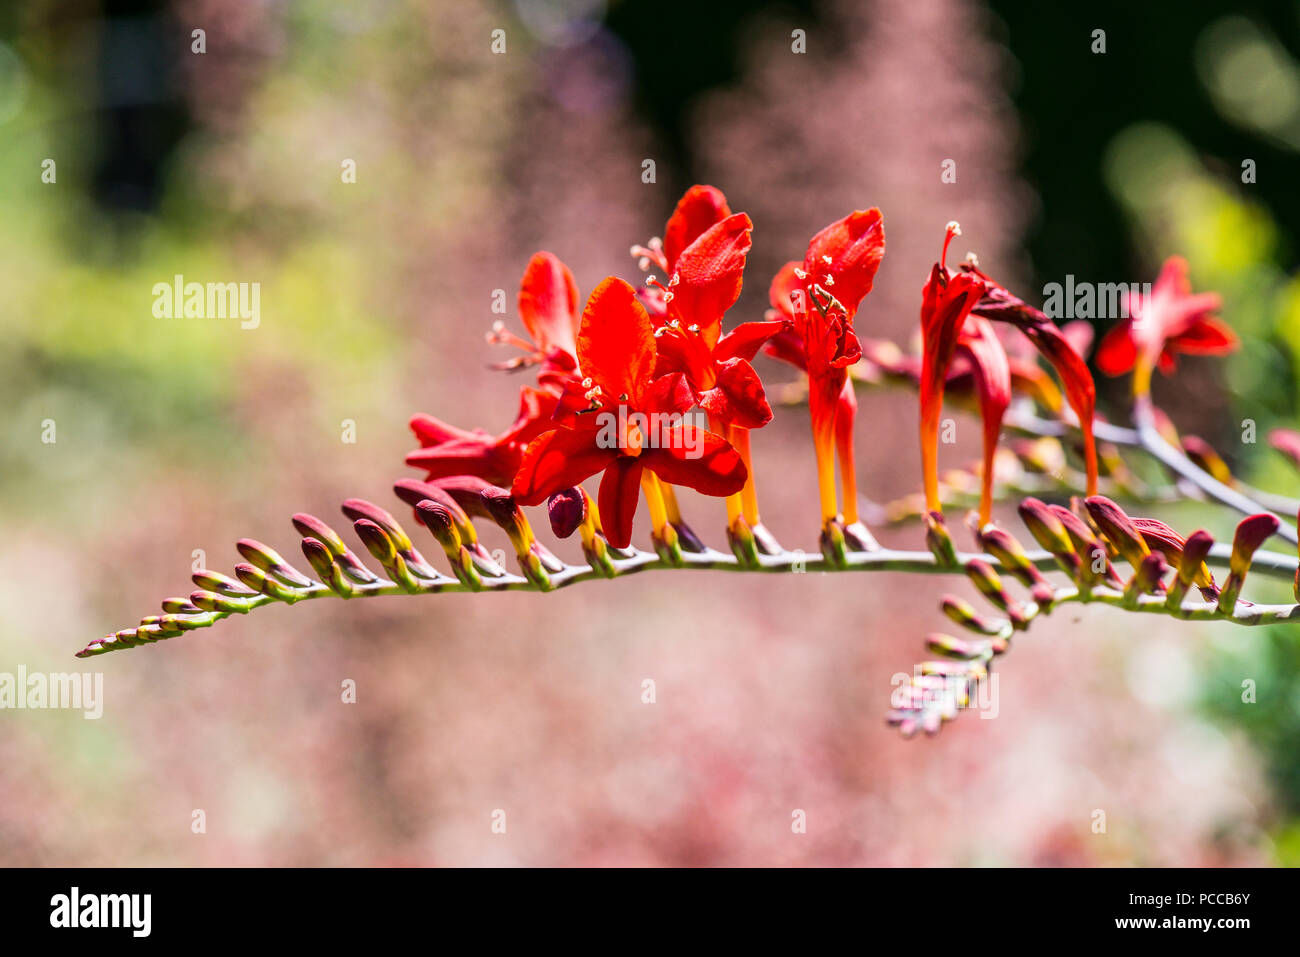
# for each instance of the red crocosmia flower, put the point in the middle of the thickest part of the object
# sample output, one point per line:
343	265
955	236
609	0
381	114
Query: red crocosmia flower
548	306
820	298
447	450
1169	321
704	254
624	422
700	208
946	304
705	284
1057	346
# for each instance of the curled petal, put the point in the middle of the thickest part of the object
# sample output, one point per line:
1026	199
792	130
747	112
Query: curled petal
744	341
697	458
708	275
558	460
738	397
669	393
699	208
849	251
548	303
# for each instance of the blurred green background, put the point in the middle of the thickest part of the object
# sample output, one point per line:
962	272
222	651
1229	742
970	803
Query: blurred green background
182	435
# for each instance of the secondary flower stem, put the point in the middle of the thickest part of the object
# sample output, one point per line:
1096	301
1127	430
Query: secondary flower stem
1173	459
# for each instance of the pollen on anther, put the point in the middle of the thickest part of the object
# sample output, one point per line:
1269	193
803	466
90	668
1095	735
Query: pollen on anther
799	273
827	260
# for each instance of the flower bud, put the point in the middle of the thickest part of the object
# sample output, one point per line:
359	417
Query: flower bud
1118	529
1251	533
567	510
269	560
1206	459
938	540
326	568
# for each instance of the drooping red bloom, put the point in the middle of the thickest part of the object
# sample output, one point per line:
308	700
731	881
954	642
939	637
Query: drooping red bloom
820	298
1169	321
1056	346
447	450
946	303
548	306
621	420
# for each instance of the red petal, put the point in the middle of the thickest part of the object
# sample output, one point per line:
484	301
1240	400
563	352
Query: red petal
484	459
788	347
432	431
855	245
1206	337
697	458
616	345
620	489
744	341
548	303
698	209
738	398
1117	353
993	387
669	393
709	274
557	460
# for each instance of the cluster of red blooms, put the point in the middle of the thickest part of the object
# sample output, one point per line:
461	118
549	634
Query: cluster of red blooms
661	351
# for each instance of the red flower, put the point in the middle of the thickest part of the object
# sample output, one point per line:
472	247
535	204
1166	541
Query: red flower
820	297
623	421
946	304
1169	321
447	450
703	254
548	306
705	283
1056	346
699	208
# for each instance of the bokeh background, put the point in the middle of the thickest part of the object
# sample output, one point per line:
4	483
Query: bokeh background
182	435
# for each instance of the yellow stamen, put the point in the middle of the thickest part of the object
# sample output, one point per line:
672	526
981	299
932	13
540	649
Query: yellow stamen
1142	377
749	494
655	500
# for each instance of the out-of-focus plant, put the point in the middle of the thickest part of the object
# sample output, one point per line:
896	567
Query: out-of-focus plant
617	384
